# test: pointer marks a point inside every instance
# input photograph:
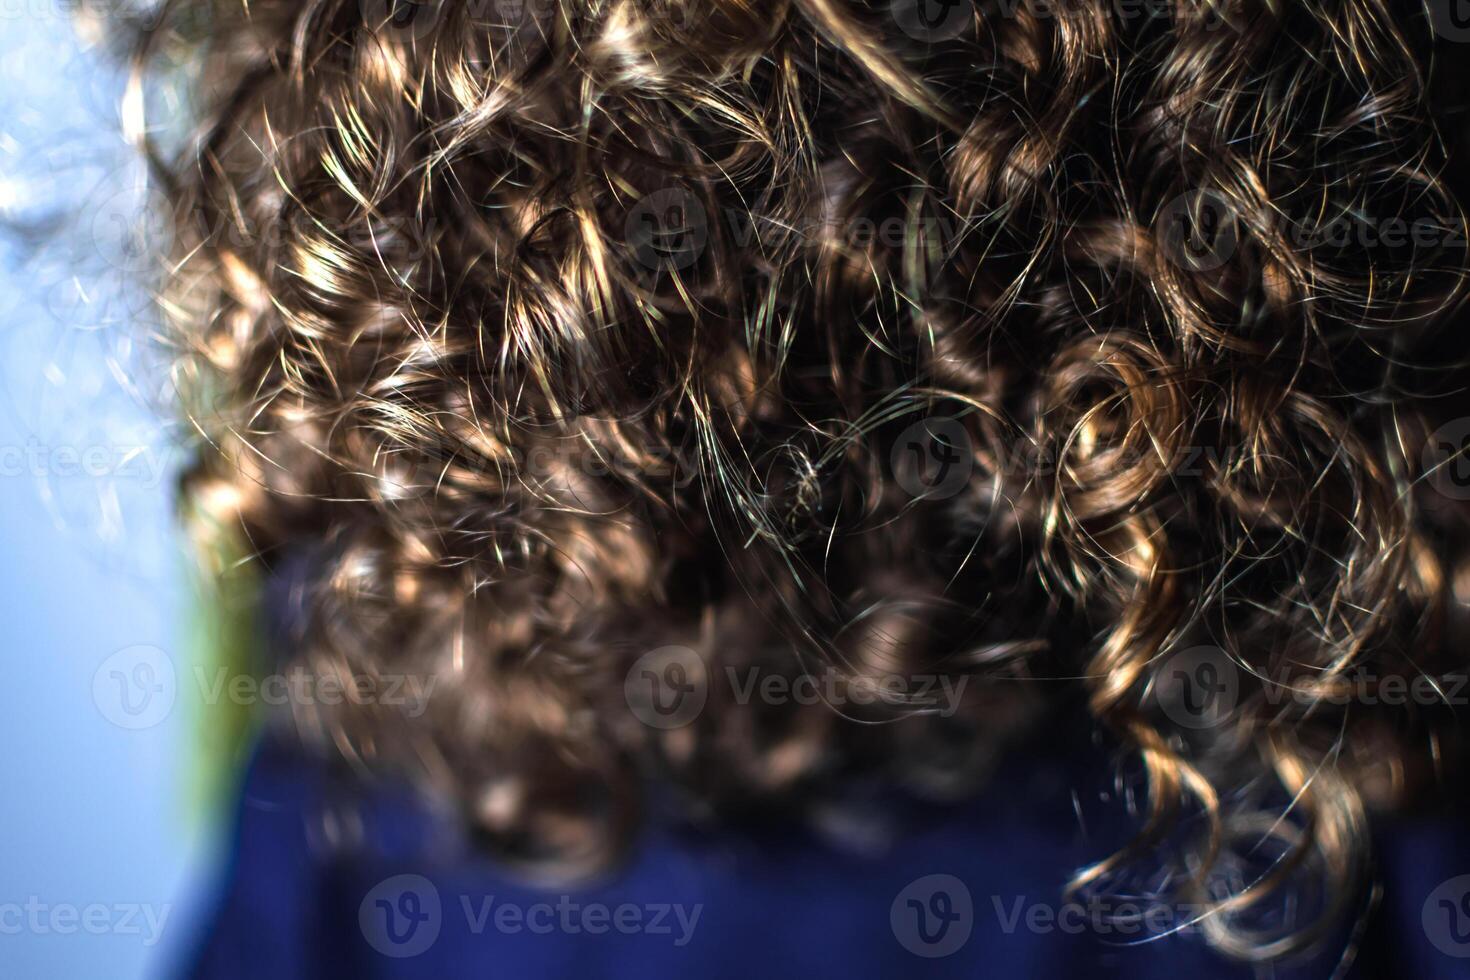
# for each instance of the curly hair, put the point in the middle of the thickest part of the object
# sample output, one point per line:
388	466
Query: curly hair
568	348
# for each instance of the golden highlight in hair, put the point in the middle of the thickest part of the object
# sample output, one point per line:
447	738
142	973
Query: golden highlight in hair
1033	345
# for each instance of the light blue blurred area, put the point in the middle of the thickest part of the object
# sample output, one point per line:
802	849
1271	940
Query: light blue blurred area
99	839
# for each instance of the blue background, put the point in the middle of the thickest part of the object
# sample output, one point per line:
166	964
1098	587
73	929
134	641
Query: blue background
92	812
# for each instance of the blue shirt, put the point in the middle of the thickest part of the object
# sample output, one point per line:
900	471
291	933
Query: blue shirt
381	887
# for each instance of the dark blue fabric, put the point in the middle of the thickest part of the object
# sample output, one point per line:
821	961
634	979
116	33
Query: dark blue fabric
305	895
